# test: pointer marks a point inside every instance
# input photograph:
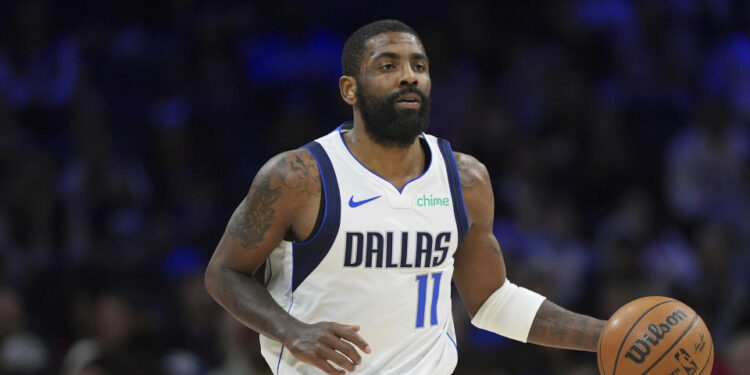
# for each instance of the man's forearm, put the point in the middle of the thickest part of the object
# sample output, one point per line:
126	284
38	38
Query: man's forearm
249	302
556	327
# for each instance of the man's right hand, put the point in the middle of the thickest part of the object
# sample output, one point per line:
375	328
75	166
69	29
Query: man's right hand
318	343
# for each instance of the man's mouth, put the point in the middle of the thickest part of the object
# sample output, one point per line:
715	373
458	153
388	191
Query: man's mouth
409	101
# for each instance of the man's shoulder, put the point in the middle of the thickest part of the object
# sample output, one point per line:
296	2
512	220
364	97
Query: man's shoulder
476	187
471	171
294	171
290	162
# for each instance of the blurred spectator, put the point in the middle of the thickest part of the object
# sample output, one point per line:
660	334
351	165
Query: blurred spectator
195	326
705	167
633	220
669	261
722	294
21	352
738	360
557	246
116	330
105	193
622	235
238	345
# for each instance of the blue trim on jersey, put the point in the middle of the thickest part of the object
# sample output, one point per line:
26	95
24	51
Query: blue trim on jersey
379	176
452	340
280	355
270	272
306	256
454	180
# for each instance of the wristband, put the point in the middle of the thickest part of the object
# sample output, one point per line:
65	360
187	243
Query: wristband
509	311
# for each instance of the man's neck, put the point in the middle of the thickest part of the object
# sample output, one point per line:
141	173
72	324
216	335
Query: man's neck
396	164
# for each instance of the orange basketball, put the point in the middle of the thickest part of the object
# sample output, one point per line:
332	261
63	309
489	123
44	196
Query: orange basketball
656	336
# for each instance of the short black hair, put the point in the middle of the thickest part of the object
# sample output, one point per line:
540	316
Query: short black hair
354	48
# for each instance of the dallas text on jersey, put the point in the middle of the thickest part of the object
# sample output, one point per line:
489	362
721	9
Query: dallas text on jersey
376	249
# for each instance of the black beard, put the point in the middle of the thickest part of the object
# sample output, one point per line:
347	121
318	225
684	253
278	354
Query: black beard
389	126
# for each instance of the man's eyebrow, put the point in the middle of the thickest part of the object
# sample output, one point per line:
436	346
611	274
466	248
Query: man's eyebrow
419	56
393	55
390	55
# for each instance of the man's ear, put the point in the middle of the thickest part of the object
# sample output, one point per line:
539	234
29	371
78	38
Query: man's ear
348	88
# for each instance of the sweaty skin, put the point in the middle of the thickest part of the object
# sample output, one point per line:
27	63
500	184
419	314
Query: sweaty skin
283	203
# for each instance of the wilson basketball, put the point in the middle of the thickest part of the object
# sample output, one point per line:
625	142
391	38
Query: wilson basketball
656	336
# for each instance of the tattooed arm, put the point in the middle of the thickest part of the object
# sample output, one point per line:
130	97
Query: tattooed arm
282	203
480	268
560	328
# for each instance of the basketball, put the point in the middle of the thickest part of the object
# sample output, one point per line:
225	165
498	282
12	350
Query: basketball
656	336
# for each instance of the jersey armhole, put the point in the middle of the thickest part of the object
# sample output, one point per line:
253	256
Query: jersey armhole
321	214
454	181
308	254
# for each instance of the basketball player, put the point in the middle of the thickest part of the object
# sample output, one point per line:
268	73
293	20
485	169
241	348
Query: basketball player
362	231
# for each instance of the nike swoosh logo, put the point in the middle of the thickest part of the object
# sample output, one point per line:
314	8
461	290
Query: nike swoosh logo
353	204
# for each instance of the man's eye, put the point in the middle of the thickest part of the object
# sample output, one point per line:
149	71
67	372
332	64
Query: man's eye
420	67
388	66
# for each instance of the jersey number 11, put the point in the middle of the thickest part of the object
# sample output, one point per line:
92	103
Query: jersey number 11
422	297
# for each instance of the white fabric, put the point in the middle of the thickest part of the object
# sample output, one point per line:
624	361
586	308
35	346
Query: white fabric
509	311
382	295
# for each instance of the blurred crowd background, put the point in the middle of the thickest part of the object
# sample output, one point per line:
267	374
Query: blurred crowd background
616	134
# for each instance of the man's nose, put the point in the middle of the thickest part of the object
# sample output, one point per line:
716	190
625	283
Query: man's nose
409	78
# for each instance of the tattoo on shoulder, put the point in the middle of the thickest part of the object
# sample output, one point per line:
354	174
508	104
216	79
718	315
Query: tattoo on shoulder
496	247
300	175
253	219
468	180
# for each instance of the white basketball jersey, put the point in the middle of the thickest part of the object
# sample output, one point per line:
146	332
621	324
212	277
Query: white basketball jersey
382	259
